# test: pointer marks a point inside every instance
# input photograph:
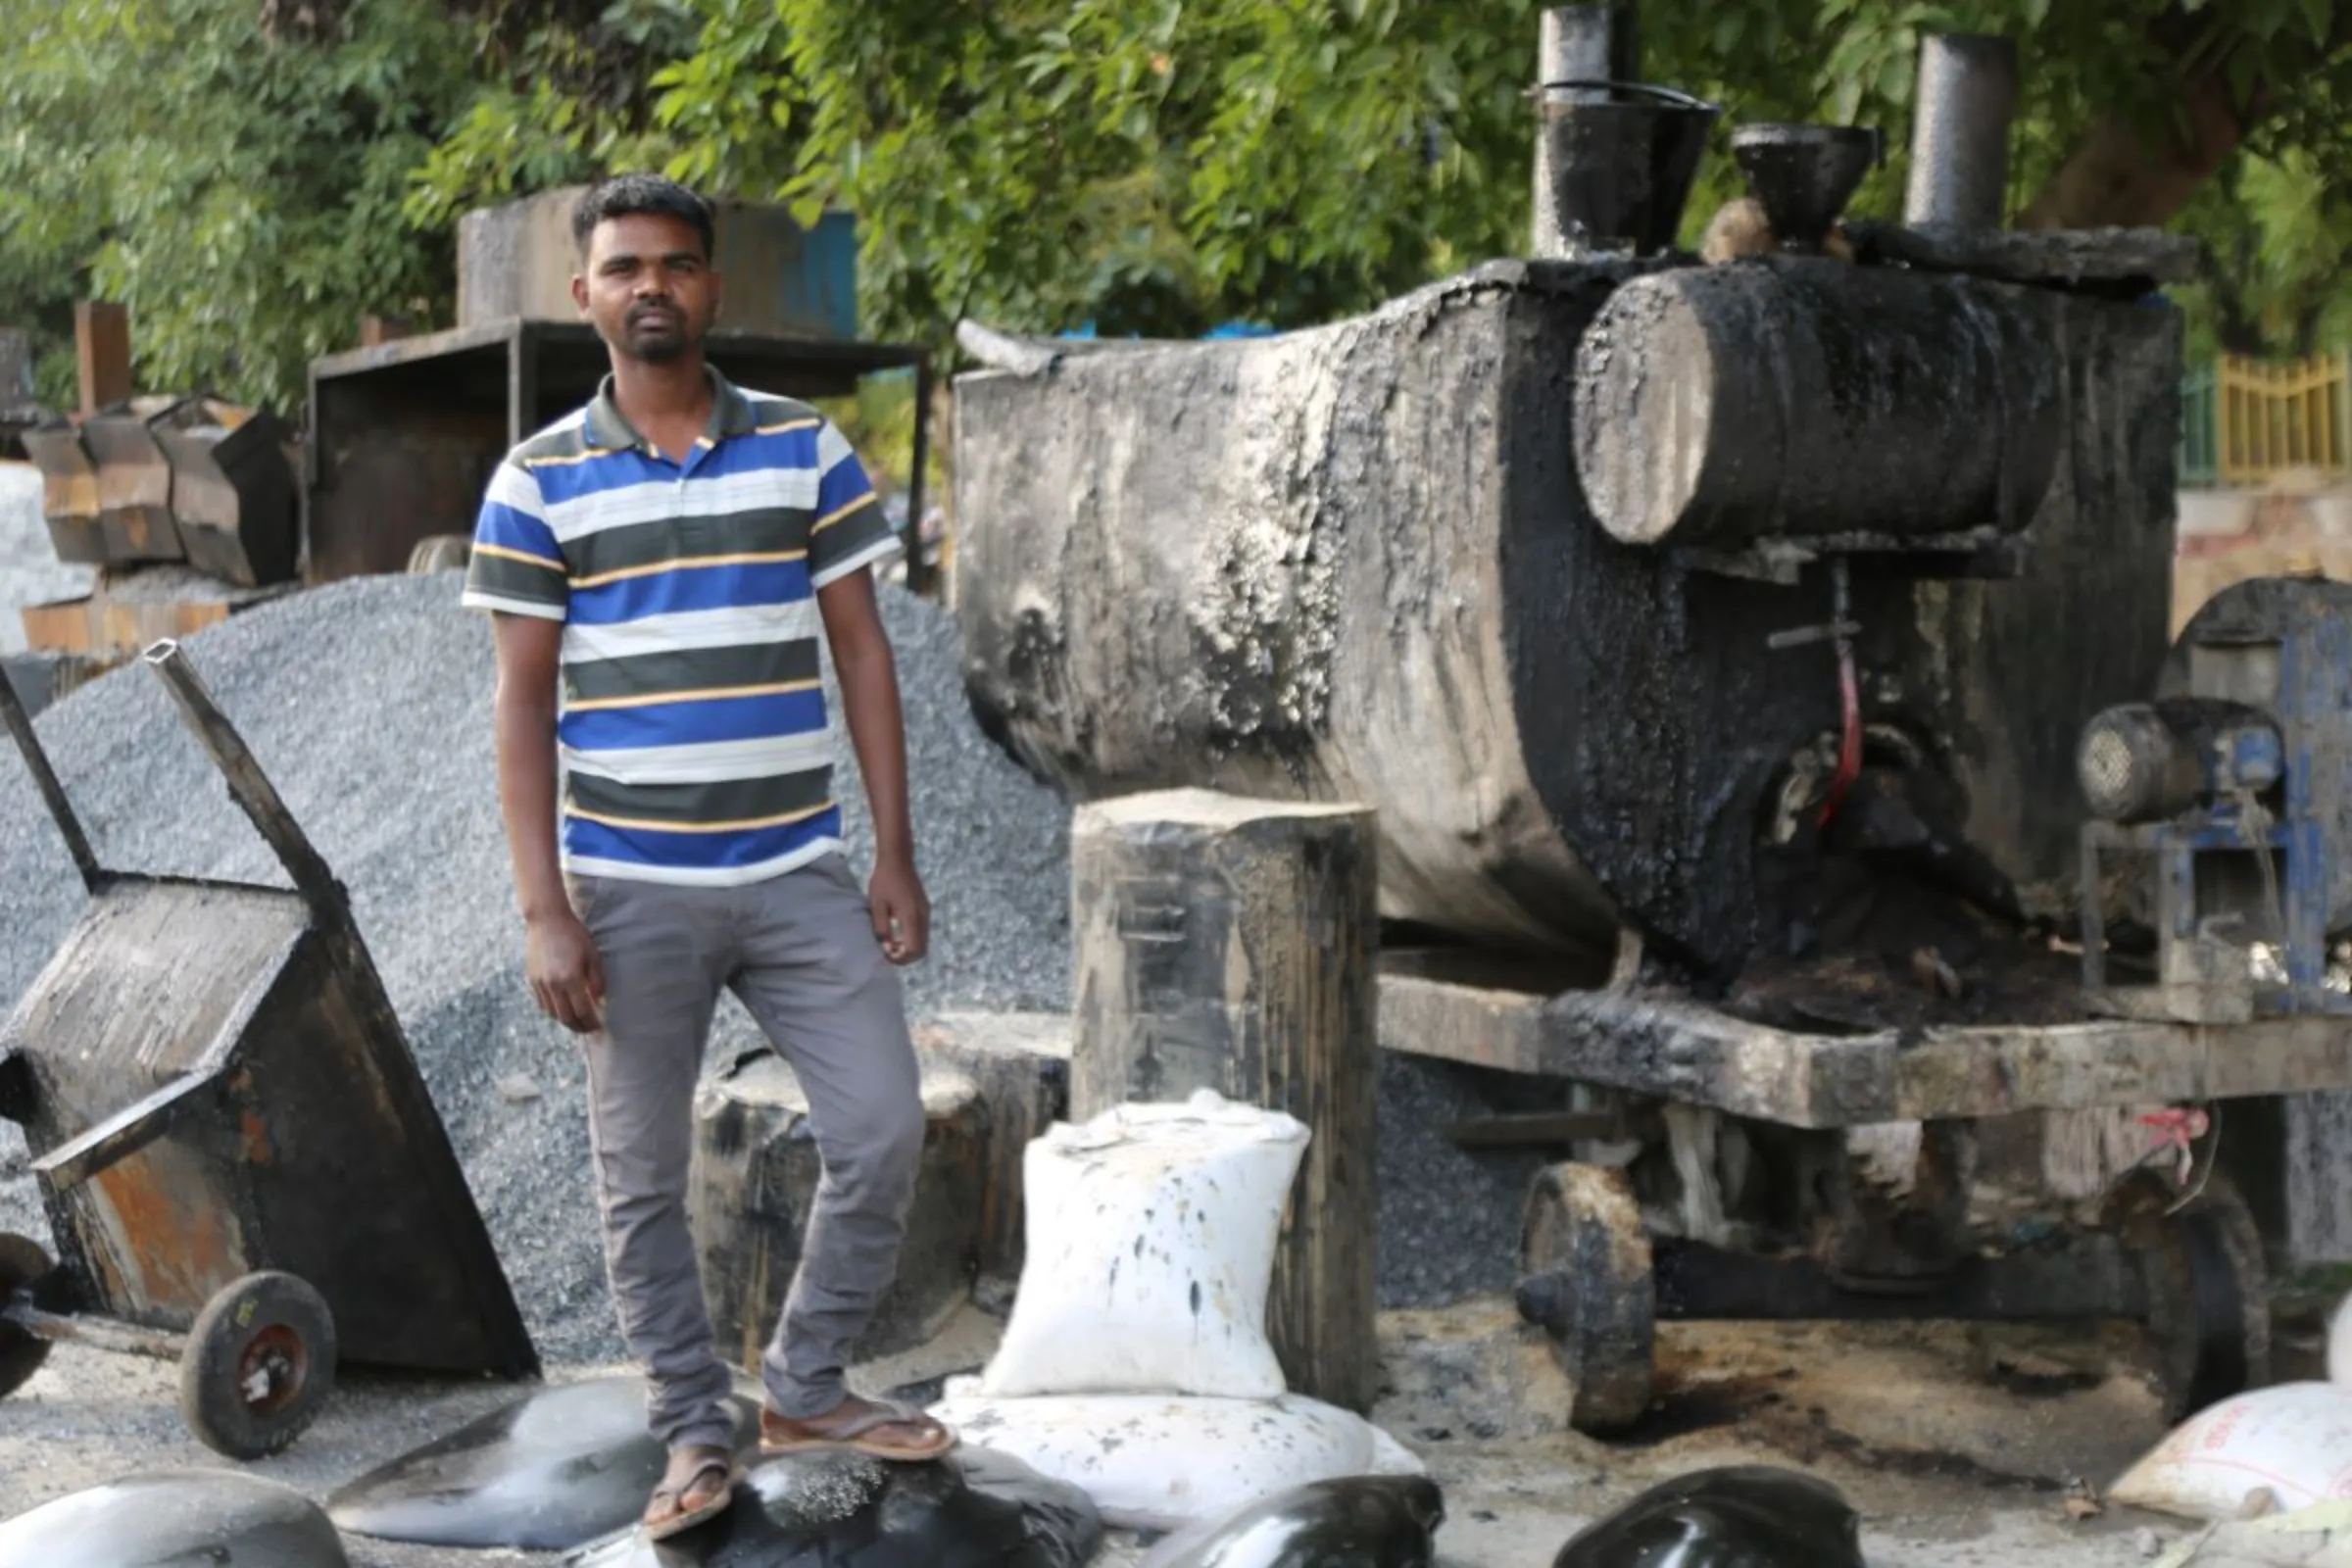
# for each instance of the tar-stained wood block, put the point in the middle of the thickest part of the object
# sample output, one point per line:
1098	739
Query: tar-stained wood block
1229	943
1019	1063
754	1185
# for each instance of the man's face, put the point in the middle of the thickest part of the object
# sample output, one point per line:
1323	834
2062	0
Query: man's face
648	287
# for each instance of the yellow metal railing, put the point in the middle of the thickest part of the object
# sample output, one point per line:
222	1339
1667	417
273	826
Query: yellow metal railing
2277	415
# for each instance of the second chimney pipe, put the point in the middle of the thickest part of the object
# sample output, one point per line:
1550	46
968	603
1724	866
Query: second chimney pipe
1967	96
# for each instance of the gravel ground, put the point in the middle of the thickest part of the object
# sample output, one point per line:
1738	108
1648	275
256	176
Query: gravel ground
29	571
368	705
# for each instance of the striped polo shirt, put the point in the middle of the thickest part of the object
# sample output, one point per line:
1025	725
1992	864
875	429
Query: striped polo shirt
694	738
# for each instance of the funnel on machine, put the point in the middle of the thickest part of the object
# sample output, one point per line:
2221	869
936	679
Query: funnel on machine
1804	175
1616	164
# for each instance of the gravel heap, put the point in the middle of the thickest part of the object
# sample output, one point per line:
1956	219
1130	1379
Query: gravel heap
368	705
369	702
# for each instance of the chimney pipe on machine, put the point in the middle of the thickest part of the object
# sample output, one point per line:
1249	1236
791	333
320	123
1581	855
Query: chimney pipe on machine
1614	158
1965	101
1576	44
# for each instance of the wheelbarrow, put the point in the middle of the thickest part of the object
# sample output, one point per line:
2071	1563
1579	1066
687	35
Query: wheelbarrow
238	1157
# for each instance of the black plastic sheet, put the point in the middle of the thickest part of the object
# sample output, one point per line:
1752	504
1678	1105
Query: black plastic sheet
838	1509
1361	1521
1742	1516
175	1519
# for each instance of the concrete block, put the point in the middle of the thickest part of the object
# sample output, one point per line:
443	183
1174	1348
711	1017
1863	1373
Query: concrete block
518	260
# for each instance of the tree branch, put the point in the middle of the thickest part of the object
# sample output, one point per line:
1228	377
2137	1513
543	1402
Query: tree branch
2114	178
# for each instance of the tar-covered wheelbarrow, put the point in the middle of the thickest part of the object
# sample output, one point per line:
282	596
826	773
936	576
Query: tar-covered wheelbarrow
239	1159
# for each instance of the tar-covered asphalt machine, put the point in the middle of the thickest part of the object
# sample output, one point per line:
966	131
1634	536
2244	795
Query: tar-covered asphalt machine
242	1166
1730	653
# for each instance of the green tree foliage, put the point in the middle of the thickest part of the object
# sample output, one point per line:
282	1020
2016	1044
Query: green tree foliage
252	176
1157	167
2281	235
242	196
251	194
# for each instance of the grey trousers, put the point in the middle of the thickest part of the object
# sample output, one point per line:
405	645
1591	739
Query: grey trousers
799	951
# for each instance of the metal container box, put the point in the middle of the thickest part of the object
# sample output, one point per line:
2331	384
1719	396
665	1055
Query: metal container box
404	436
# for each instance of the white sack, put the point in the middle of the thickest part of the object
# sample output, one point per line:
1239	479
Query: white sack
1151	1248
1152	1462
2293	1440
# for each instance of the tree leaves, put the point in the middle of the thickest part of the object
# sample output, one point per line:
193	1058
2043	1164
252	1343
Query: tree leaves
1146	166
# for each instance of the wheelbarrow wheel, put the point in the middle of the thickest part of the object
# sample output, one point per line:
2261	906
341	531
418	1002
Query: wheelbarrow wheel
2208	1287
259	1365
21	1261
1586	1280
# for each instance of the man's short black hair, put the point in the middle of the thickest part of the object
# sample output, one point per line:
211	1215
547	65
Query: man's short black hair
633	195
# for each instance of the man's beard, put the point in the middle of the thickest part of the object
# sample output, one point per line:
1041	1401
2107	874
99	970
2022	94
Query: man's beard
672	340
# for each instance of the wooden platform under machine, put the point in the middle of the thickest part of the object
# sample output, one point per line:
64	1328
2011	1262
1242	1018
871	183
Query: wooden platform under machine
1605	1255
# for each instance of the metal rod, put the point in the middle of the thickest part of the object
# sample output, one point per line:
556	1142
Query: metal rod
99	1333
247	783
1534	1128
2091	1276
44	779
918	572
1966	99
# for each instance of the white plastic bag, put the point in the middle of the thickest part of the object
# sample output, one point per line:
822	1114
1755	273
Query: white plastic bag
2293	1440
1152	1462
1151	1247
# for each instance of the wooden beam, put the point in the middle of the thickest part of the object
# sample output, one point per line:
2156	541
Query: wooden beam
1678	1049
102	341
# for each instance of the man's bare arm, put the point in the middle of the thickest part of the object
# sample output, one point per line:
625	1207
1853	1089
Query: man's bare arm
869	699
561	959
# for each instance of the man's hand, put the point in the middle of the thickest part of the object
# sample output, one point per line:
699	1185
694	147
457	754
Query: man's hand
559	957
901	911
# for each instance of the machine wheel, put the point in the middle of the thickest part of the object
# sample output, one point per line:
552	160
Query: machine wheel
1586	1280
259	1365
2208	1289
21	1261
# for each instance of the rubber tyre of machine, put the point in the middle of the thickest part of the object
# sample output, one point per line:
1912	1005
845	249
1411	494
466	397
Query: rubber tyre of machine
2206	1285
1587	1279
21	1261
269	1317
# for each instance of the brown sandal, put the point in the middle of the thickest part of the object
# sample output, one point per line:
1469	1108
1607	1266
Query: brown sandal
665	1511
782	1435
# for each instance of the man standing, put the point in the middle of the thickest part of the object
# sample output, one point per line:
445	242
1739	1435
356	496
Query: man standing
667	555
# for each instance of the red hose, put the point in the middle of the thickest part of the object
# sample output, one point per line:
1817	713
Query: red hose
1849	744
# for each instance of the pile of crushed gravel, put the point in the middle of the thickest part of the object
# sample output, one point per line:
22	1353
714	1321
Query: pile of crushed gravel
368	704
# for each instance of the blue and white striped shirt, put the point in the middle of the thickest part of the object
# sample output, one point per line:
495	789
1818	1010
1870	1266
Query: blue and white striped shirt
694	735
